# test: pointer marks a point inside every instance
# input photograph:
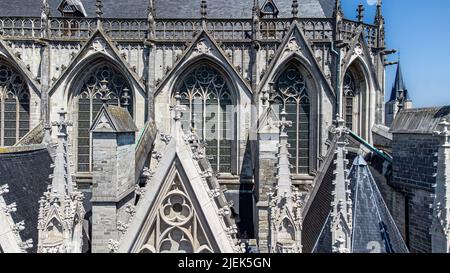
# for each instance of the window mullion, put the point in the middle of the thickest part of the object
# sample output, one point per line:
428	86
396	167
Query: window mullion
2	126
219	120
91	113
17	118
297	143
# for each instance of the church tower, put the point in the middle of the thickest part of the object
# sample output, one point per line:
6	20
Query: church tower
399	97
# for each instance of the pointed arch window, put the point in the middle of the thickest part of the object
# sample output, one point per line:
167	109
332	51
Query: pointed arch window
89	102
292	95
349	99
14	106
207	97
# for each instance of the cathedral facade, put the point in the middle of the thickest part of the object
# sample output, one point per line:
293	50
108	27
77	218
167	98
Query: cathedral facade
193	126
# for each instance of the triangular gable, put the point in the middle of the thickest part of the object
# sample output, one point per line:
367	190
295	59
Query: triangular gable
268	122
177	202
294	46
18	64
360	49
103	122
98	45
203	47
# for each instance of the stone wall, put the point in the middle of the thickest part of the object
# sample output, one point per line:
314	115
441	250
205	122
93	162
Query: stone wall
414	175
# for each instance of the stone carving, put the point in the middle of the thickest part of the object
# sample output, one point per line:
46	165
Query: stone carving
359	49
166	138
98	45
202	47
293	45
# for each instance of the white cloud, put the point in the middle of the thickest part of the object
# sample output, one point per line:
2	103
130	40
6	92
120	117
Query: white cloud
371	2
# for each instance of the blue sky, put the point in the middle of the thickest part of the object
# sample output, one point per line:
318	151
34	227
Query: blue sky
420	30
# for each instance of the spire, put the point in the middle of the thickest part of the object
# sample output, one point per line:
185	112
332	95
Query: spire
284	167
61	179
61	208
440	230
399	90
295	8
285	200
379	19
341	212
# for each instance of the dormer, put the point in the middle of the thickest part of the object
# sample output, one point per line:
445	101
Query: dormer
72	8
269	9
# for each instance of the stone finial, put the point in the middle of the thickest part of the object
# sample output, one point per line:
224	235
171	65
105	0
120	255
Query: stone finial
4	189
126	97
99	10
295	8
283	123
445	127
62	124
360	11
151	19
340	129
178	108
379	20
45	14
337	12
104	91
444	131
203	7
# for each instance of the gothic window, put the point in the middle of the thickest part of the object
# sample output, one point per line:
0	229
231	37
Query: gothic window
89	102
207	98
349	97
291	95
14	106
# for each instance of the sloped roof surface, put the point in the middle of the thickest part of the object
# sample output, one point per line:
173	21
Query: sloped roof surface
374	229
319	210
27	174
171	8
420	121
122	119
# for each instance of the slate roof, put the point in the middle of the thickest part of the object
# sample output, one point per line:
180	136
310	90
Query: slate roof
374	229
120	118
27	174
171	8
319	210
420	120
